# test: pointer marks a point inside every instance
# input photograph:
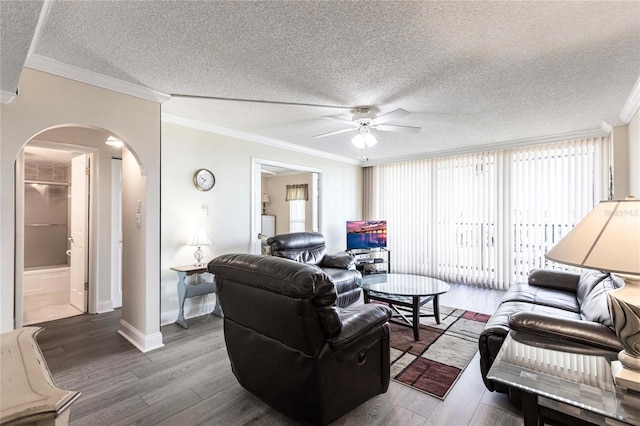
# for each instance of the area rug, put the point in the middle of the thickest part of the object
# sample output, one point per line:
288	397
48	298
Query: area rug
435	362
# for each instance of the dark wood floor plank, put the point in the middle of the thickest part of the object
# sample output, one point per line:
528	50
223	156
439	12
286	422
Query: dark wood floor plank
95	369
207	410
112	413
219	382
93	386
157	413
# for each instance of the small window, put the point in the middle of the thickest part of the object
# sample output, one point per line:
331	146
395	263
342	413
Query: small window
296	215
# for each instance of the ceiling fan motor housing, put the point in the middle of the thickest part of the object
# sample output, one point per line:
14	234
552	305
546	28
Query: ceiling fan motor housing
364	118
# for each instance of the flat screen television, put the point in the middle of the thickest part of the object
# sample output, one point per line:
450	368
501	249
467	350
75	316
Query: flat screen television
366	234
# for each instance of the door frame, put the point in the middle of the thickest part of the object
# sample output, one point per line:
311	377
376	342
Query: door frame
256	194
116	232
92	296
79	213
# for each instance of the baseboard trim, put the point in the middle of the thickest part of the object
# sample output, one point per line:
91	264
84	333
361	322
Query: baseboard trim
104	306
144	343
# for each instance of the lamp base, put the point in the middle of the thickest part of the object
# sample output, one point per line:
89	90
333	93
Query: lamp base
625	377
198	255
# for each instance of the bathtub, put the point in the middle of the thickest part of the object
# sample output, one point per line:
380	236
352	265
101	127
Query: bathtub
46	279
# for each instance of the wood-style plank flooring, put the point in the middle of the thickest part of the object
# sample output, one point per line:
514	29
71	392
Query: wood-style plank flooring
189	381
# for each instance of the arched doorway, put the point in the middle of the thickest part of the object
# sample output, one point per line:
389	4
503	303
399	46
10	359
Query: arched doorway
42	277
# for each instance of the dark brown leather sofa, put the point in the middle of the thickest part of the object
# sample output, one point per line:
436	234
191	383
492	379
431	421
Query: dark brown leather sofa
291	346
310	248
566	309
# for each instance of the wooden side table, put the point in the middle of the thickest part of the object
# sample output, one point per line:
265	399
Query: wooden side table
186	291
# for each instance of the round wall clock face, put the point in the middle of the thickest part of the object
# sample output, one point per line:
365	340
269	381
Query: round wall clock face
204	179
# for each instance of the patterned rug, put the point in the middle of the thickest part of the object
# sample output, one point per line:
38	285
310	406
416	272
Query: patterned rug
435	362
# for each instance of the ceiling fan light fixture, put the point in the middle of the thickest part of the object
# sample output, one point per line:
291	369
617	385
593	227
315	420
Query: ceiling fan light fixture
364	138
370	140
112	141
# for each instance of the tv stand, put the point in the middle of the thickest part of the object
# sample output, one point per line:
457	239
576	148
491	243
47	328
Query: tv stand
372	261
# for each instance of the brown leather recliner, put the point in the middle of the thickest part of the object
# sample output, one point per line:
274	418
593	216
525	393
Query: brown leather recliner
310	248
291	346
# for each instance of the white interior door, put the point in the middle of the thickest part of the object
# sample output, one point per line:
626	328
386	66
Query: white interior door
78	237
116	232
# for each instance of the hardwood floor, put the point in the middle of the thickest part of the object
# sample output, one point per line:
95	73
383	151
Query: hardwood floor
189	381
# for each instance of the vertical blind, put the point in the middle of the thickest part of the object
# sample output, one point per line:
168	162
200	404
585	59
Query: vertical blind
486	218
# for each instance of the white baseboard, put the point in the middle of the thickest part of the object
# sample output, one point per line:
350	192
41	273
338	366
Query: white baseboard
104	306
144	343
193	308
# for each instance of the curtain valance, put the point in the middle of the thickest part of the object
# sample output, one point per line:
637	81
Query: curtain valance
297	192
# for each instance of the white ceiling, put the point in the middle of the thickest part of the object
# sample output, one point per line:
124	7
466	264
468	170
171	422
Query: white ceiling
470	73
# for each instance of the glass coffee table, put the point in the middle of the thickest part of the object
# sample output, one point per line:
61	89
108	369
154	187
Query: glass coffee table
405	293
570	387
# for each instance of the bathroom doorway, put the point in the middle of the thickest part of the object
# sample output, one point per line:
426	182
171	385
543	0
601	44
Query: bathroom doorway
56	220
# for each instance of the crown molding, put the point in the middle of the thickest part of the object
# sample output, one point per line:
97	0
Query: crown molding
51	66
44	14
239	134
632	105
6	96
608	125
516	143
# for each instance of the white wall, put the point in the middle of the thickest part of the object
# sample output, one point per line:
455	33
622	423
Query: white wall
228	224
634	155
48	101
621	146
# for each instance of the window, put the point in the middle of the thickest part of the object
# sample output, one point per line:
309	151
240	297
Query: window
296	215
486	218
297	196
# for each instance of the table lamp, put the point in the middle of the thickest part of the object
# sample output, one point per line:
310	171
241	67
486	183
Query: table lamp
608	239
265	199
198	239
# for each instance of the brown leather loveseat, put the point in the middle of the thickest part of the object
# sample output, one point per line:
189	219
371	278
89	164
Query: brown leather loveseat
291	346
568	309
310	248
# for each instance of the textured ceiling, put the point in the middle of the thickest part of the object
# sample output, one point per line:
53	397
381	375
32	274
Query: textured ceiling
470	73
18	21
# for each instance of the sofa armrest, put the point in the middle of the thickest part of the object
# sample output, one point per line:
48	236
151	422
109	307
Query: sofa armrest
557	280
574	331
361	324
338	261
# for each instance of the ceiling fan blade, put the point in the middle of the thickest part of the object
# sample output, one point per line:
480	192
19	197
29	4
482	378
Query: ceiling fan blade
340	120
401	129
335	133
396	113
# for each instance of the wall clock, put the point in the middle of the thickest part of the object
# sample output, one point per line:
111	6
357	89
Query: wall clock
204	179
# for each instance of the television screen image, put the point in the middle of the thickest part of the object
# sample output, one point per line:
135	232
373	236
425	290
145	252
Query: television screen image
366	234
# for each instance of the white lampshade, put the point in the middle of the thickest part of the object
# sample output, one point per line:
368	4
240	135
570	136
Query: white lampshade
265	198
199	238
607	239
364	138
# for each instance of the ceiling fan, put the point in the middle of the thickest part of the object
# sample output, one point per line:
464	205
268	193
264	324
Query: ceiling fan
364	120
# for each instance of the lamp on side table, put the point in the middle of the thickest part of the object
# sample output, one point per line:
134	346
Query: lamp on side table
198	239
608	239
